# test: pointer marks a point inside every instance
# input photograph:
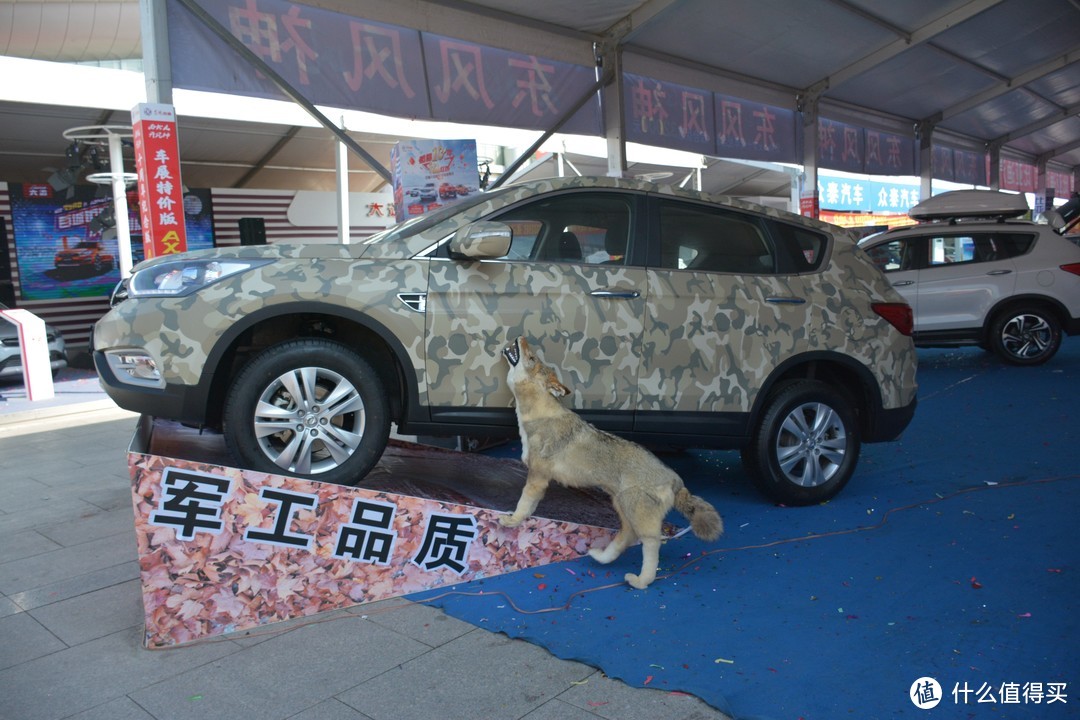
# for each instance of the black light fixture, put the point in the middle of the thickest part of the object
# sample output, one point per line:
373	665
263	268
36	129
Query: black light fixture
65	179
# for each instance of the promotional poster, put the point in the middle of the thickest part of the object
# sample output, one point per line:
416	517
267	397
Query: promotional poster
431	173
66	246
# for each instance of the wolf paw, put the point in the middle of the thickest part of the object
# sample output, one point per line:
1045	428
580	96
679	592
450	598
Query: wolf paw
635	581
508	521
599	556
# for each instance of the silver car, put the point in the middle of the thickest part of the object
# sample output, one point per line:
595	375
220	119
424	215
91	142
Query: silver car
976	275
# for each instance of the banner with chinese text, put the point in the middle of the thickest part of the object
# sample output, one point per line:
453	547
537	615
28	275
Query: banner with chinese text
348	62
667	115
754	131
161	192
223	549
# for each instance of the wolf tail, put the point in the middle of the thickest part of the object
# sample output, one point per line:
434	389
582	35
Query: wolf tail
705	522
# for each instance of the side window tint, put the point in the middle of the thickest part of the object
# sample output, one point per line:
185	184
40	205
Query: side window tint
579	227
891	256
1015	244
800	249
695	237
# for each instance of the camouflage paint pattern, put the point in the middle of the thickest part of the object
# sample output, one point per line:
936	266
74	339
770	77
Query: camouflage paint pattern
688	341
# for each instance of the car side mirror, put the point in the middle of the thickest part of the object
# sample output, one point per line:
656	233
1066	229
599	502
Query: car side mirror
481	241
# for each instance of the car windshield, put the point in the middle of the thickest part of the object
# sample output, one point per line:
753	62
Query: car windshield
421	223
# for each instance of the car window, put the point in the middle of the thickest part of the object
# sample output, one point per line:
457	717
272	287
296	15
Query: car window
953	249
799	249
580	227
697	237
893	255
1014	244
977	247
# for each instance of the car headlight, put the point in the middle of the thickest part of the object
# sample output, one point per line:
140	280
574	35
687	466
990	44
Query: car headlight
183	277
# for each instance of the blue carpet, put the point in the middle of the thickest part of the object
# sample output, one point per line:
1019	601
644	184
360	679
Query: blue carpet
952	554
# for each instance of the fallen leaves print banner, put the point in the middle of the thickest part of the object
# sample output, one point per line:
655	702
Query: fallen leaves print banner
223	549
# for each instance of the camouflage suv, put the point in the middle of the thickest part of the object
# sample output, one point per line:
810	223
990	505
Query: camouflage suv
674	317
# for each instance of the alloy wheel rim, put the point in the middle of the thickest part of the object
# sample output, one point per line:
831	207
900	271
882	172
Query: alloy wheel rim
811	445
1026	336
309	420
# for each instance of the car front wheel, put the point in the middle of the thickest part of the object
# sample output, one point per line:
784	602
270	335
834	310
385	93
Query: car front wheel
308	408
1026	336
806	446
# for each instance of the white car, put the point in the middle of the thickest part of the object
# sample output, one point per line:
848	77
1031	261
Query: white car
976	275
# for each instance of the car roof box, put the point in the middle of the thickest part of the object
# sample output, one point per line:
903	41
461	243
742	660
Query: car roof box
970	204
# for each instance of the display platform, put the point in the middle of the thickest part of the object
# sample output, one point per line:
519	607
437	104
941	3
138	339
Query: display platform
223	549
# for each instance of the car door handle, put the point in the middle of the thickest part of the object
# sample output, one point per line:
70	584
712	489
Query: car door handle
902	283
786	300
999	272
626	294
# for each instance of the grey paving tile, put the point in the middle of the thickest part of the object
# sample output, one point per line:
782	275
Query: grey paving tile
86	676
123	708
35	513
282	676
24	639
330	710
558	710
93	525
8	606
24	544
611	699
65	563
94	614
76	586
513	679
429	625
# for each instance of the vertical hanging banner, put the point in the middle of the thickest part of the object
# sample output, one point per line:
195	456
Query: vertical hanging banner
161	194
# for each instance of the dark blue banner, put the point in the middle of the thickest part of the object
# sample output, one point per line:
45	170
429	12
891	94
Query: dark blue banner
840	146
343	61
668	115
754	131
472	83
889	154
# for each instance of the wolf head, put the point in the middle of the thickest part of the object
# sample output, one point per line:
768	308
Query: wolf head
528	370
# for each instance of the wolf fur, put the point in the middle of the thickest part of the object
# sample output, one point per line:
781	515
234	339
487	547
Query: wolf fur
558	445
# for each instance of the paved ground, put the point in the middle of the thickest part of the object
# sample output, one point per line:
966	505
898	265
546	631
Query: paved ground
71	616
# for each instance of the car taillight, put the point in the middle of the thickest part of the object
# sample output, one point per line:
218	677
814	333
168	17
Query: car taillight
1073	268
899	315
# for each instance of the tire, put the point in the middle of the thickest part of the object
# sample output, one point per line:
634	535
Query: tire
806	446
1025	335
275	420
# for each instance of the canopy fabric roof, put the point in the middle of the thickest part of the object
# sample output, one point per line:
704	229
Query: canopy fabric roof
979	72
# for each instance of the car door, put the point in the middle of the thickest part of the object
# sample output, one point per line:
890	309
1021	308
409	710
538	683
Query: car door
568	285
723	310
964	275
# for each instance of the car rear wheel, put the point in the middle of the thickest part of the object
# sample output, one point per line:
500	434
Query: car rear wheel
308	408
806	446
1026	335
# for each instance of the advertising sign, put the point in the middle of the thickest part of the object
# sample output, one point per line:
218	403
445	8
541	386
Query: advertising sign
668	115
345	61
753	130
223	549
431	173
840	145
161	194
67	247
839	192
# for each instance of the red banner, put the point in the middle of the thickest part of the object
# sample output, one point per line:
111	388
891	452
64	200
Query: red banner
161	194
